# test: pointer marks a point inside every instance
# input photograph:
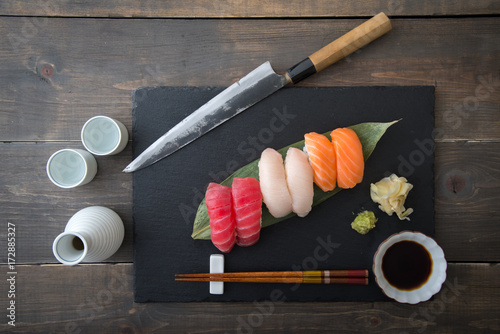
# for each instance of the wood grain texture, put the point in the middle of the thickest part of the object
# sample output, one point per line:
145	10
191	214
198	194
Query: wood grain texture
98	299
352	41
465	201
62	62
467	183
58	72
245	9
40	210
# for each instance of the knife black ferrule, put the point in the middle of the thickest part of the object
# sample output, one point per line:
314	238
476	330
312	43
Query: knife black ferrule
301	70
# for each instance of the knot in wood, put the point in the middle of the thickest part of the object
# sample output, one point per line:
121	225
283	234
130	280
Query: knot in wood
47	71
375	321
455	183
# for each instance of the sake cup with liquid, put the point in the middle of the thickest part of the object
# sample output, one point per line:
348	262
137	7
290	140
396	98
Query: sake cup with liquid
69	168
409	267
102	135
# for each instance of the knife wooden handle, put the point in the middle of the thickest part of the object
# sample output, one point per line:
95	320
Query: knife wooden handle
341	47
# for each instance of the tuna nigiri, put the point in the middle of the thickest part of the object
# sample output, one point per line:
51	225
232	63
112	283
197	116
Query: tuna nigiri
322	157
273	185
299	177
349	154
218	199
247	206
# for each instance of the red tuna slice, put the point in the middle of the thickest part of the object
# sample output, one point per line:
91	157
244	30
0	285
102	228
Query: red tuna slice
248	241
249	225
249	229
226	247
247	206
248	232
248	216
221	236
218	199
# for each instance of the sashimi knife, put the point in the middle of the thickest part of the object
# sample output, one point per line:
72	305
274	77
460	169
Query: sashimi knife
255	86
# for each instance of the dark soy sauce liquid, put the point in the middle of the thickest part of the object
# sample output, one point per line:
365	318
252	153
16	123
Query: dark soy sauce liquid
407	265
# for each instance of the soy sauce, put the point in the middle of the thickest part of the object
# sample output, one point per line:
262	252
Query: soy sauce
407	265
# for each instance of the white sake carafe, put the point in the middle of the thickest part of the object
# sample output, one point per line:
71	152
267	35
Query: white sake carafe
92	234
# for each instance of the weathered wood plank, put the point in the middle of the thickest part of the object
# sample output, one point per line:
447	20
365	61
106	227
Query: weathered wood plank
57	72
467	180
40	210
99	299
50	88
241	8
466	198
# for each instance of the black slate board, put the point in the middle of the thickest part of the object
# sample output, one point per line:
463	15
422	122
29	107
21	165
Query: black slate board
167	194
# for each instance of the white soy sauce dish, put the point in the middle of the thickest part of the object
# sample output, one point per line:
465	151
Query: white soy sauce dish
102	135
409	267
69	168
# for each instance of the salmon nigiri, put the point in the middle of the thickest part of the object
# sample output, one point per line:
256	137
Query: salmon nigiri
218	199
247	206
349	154
322	157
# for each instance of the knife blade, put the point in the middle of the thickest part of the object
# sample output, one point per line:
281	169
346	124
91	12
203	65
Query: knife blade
254	87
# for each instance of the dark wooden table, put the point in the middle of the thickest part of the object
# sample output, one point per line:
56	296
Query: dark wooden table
62	63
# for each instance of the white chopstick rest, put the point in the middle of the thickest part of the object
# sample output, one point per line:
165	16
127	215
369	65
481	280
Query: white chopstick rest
216	267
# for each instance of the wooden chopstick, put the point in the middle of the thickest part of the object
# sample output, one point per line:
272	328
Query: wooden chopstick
317	277
330	273
333	280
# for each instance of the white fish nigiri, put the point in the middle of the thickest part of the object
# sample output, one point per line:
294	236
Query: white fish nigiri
273	184
300	178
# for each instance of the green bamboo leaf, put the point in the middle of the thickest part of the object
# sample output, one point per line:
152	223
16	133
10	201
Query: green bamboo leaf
369	134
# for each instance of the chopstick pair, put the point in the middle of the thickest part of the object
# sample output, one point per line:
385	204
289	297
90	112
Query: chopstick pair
356	277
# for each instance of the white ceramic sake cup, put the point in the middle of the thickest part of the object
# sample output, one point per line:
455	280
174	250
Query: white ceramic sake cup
92	234
102	135
69	168
434	281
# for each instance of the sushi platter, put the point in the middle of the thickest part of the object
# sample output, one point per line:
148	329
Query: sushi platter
167	194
